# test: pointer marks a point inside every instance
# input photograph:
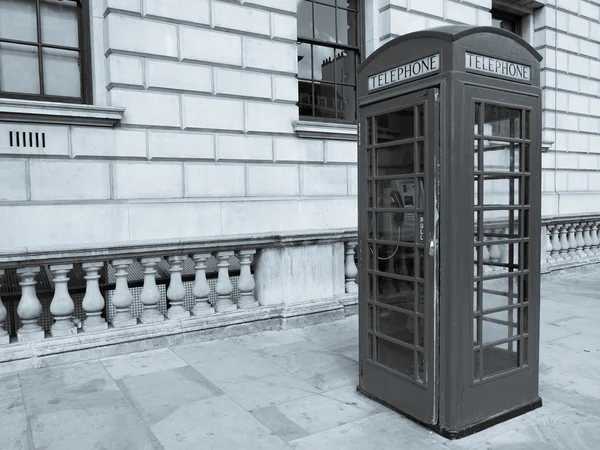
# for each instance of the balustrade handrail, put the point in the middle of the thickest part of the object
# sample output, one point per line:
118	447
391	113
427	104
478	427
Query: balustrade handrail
552	220
24	256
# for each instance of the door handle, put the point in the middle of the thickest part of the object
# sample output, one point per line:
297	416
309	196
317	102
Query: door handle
432	247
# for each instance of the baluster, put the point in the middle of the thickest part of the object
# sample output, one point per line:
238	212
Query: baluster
122	297
245	281
176	290
201	289
587	239
486	255
4	337
62	305
93	301
150	294
595	239
572	241
29	308
494	253
579	242
548	246
564	243
556	247
350	269
224	288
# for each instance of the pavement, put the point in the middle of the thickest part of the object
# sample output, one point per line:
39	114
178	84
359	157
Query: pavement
292	389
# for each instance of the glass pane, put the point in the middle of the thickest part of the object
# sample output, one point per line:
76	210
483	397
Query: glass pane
61	72
323	63
19	68
476	374
420	297
399	227
59	22
477	113
369	135
421	118
395	125
476	191
324	23
18	20
421	376
346	102
497	293
476	331
345	67
527	124
324	100
351	4
398	293
501	121
500	191
421	156
499	325
500	359
396	160
396	259
370	322
304	61
395	357
421	332
305	98
501	156
347	27
396	325
476	154
371	287
305	23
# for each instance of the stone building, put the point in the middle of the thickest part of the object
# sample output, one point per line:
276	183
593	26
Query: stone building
184	168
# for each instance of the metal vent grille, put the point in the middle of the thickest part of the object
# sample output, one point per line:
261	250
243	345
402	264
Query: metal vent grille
27	139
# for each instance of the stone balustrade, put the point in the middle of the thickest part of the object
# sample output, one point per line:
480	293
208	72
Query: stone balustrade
570	244
166	287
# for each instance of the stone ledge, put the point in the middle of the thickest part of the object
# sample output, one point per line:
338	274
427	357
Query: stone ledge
30	111
17	357
325	130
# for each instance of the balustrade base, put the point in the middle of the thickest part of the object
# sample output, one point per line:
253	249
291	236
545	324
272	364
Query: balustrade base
30	336
199	311
4	339
96	327
248	304
63	331
158	318
123	323
178	314
225	308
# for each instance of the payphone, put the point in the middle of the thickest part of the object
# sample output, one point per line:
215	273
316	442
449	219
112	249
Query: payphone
449	226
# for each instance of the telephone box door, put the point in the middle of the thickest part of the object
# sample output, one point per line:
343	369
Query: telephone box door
398	251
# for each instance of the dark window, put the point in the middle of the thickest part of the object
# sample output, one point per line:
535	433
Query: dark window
328	53
44	50
506	21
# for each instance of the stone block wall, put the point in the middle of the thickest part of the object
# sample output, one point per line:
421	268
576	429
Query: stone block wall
206	145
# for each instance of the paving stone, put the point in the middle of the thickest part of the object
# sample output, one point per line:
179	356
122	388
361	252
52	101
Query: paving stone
13	418
266	339
225	361
215	423
141	363
154	392
71	387
269	390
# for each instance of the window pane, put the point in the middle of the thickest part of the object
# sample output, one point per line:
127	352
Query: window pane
395	226
18	20
396	325
395	357
396	160
305	23
398	293
323	63
324	100
59	23
395	125
19	69
346	102
345	67
61	73
305	98
304	61
500	358
352	4
346	27
324	23
502	121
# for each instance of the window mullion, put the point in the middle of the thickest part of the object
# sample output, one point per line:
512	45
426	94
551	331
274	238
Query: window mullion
39	41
